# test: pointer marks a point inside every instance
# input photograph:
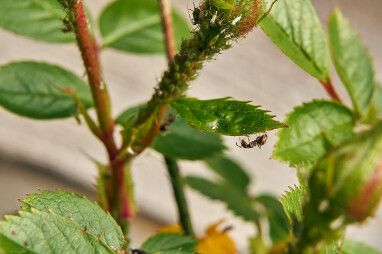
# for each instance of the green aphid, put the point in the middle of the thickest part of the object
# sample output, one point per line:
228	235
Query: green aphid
214	40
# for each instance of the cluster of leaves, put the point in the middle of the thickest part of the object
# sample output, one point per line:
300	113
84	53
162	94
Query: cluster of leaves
34	89
41	90
30	88
320	142
62	222
216	27
339	170
231	187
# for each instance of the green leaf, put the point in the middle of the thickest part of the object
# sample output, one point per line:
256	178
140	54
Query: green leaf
135	26
378	98
221	4
292	202
184	142
102	177
314	127
138	137
129	114
352	61
143	134
303	170
331	248
28	89
230	171
278	220
257	245
354	247
224	116
47	232
126	119
235	200
40	20
200	145
294	27
169	243
86	213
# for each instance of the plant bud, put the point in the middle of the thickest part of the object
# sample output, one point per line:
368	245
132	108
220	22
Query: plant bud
346	185
228	18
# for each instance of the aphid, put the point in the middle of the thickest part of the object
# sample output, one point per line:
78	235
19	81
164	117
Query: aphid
236	20
67	25
213	19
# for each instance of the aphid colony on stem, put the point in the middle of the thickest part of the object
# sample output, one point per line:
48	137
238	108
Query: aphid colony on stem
259	142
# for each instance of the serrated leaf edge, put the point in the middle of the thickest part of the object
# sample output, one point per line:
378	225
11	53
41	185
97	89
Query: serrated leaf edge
34	210
291	112
59	191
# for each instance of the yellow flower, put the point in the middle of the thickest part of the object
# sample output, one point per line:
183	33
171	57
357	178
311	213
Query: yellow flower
173	228
216	241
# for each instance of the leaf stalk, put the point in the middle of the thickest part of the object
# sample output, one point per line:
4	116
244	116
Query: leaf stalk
329	88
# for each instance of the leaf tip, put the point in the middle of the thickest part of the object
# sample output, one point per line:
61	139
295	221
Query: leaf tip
336	8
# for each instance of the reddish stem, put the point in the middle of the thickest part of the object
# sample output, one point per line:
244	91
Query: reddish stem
168	29
120	204
118	198
89	52
330	90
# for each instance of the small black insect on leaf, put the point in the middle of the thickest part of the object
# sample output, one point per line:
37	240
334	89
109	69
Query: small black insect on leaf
259	142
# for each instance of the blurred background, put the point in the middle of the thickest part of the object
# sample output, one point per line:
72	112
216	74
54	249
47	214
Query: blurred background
53	154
